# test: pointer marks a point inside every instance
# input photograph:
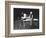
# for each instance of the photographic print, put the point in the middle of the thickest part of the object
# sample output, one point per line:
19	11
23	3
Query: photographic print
24	19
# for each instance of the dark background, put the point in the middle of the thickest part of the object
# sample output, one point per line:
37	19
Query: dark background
18	12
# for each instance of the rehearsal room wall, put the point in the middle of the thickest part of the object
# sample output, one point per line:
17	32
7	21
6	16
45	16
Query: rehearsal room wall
2	18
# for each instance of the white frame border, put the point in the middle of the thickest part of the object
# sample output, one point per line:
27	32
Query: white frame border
26	31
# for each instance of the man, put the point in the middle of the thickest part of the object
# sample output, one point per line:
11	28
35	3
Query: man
25	22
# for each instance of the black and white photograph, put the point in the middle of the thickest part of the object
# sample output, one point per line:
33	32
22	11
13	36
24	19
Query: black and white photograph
25	18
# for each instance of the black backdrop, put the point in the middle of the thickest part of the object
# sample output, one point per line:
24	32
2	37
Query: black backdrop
18	12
